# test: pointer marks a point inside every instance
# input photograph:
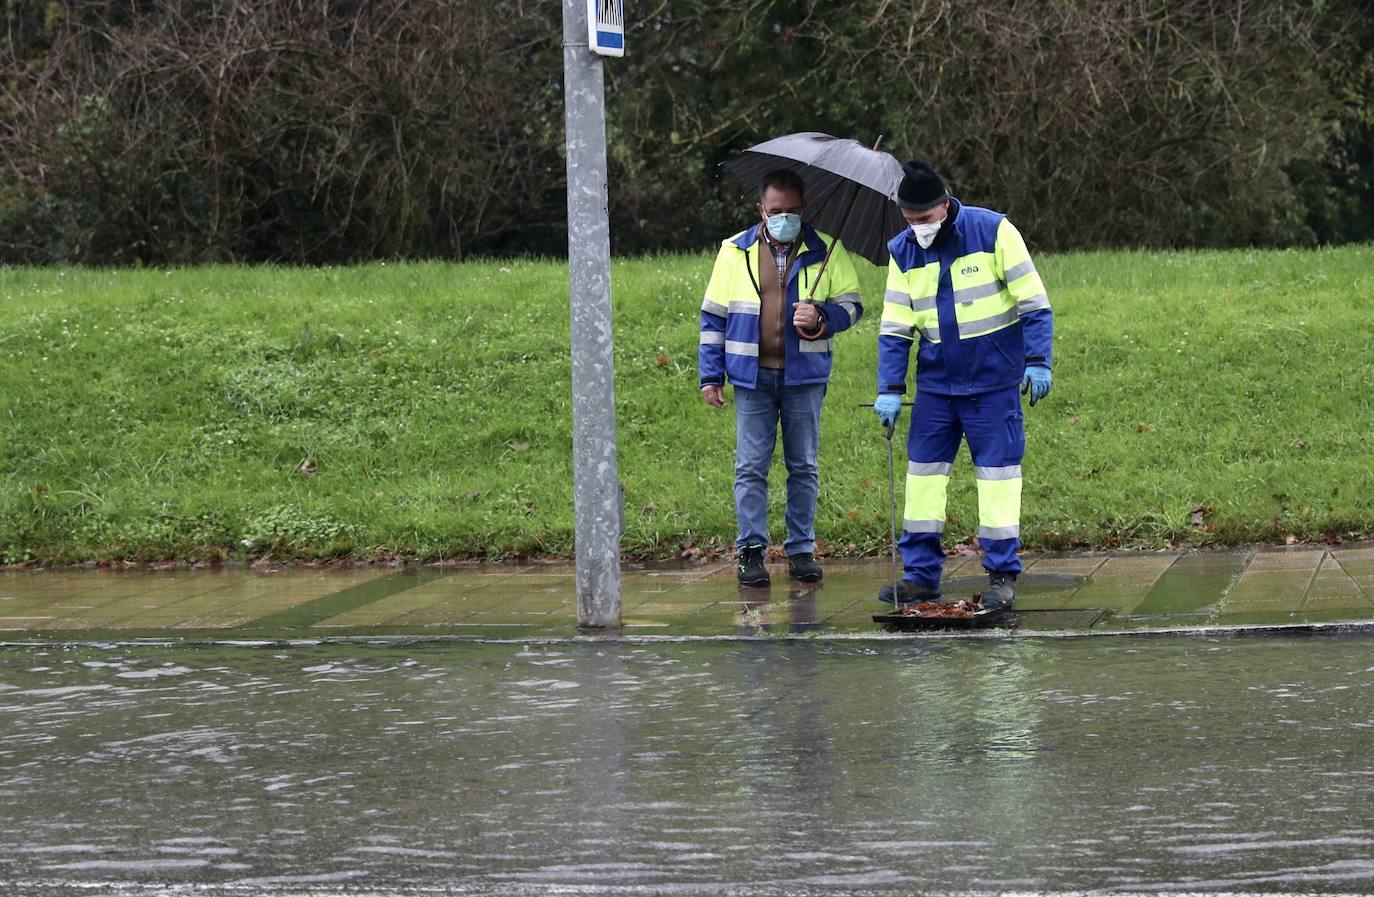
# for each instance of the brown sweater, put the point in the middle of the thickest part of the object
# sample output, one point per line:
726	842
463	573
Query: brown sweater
773	317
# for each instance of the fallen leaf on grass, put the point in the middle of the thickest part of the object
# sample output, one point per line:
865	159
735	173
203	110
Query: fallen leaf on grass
1143	428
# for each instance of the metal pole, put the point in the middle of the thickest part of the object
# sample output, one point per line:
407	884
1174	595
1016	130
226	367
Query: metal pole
596	487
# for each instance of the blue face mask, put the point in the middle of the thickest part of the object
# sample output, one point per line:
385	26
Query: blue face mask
784	226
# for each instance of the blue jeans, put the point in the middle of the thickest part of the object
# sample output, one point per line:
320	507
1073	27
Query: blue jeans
757	412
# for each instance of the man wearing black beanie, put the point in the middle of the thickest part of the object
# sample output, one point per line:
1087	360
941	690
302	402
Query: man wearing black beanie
962	288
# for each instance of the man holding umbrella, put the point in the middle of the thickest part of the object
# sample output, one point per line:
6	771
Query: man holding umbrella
963	287
760	331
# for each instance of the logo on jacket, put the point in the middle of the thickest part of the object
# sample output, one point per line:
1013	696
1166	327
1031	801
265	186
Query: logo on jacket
971	269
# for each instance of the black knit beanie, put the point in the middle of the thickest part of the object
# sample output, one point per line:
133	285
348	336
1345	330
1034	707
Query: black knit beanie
921	187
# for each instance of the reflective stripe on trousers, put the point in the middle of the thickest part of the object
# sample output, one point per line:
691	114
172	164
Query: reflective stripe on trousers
992	424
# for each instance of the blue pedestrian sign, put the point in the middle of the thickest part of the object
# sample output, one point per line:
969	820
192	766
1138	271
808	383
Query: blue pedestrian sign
606	27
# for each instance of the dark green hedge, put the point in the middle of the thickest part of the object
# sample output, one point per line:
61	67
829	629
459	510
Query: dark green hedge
182	131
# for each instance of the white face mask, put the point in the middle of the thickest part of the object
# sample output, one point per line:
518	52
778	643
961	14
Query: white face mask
925	233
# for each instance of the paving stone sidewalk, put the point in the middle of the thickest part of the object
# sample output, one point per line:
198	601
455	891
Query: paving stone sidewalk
1111	592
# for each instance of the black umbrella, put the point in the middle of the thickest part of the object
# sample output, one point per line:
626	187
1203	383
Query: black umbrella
849	187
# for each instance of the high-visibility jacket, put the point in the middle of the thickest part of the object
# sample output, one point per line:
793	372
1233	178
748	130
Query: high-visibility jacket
729	334
973	300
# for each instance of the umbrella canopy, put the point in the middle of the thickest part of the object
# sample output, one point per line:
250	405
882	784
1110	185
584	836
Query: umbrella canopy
833	168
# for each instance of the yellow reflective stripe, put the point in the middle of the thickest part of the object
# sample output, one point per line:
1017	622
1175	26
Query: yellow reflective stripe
925	500
923	526
973	276
896	311
712	338
1029	289
896	328
1023	280
984	326
848	301
981	291
1015	272
903	299
999	503
985	307
898	318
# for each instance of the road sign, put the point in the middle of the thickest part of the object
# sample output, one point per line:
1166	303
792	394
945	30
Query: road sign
606	27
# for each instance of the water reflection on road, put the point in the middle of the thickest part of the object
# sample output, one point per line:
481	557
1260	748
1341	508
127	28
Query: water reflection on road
690	768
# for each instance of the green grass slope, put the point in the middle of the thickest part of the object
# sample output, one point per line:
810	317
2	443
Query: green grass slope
423	410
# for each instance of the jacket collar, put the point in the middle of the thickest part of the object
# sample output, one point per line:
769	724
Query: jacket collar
813	247
951	225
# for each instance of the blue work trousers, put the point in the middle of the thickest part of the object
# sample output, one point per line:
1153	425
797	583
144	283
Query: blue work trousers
993	425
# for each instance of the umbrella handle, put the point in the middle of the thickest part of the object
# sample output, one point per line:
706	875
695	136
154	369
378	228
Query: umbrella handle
853	197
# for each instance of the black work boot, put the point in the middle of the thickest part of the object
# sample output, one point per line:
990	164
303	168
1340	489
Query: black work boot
803	566
752	572
908	592
1001	593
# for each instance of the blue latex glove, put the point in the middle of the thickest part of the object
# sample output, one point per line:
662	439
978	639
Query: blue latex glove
887	407
1037	382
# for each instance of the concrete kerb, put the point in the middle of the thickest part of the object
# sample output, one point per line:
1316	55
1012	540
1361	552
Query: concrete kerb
1360	627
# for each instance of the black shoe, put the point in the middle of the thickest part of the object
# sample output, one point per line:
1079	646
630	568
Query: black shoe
1001	593
752	572
908	592
804	567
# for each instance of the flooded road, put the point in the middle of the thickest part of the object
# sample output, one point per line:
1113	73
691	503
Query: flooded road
1237	764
